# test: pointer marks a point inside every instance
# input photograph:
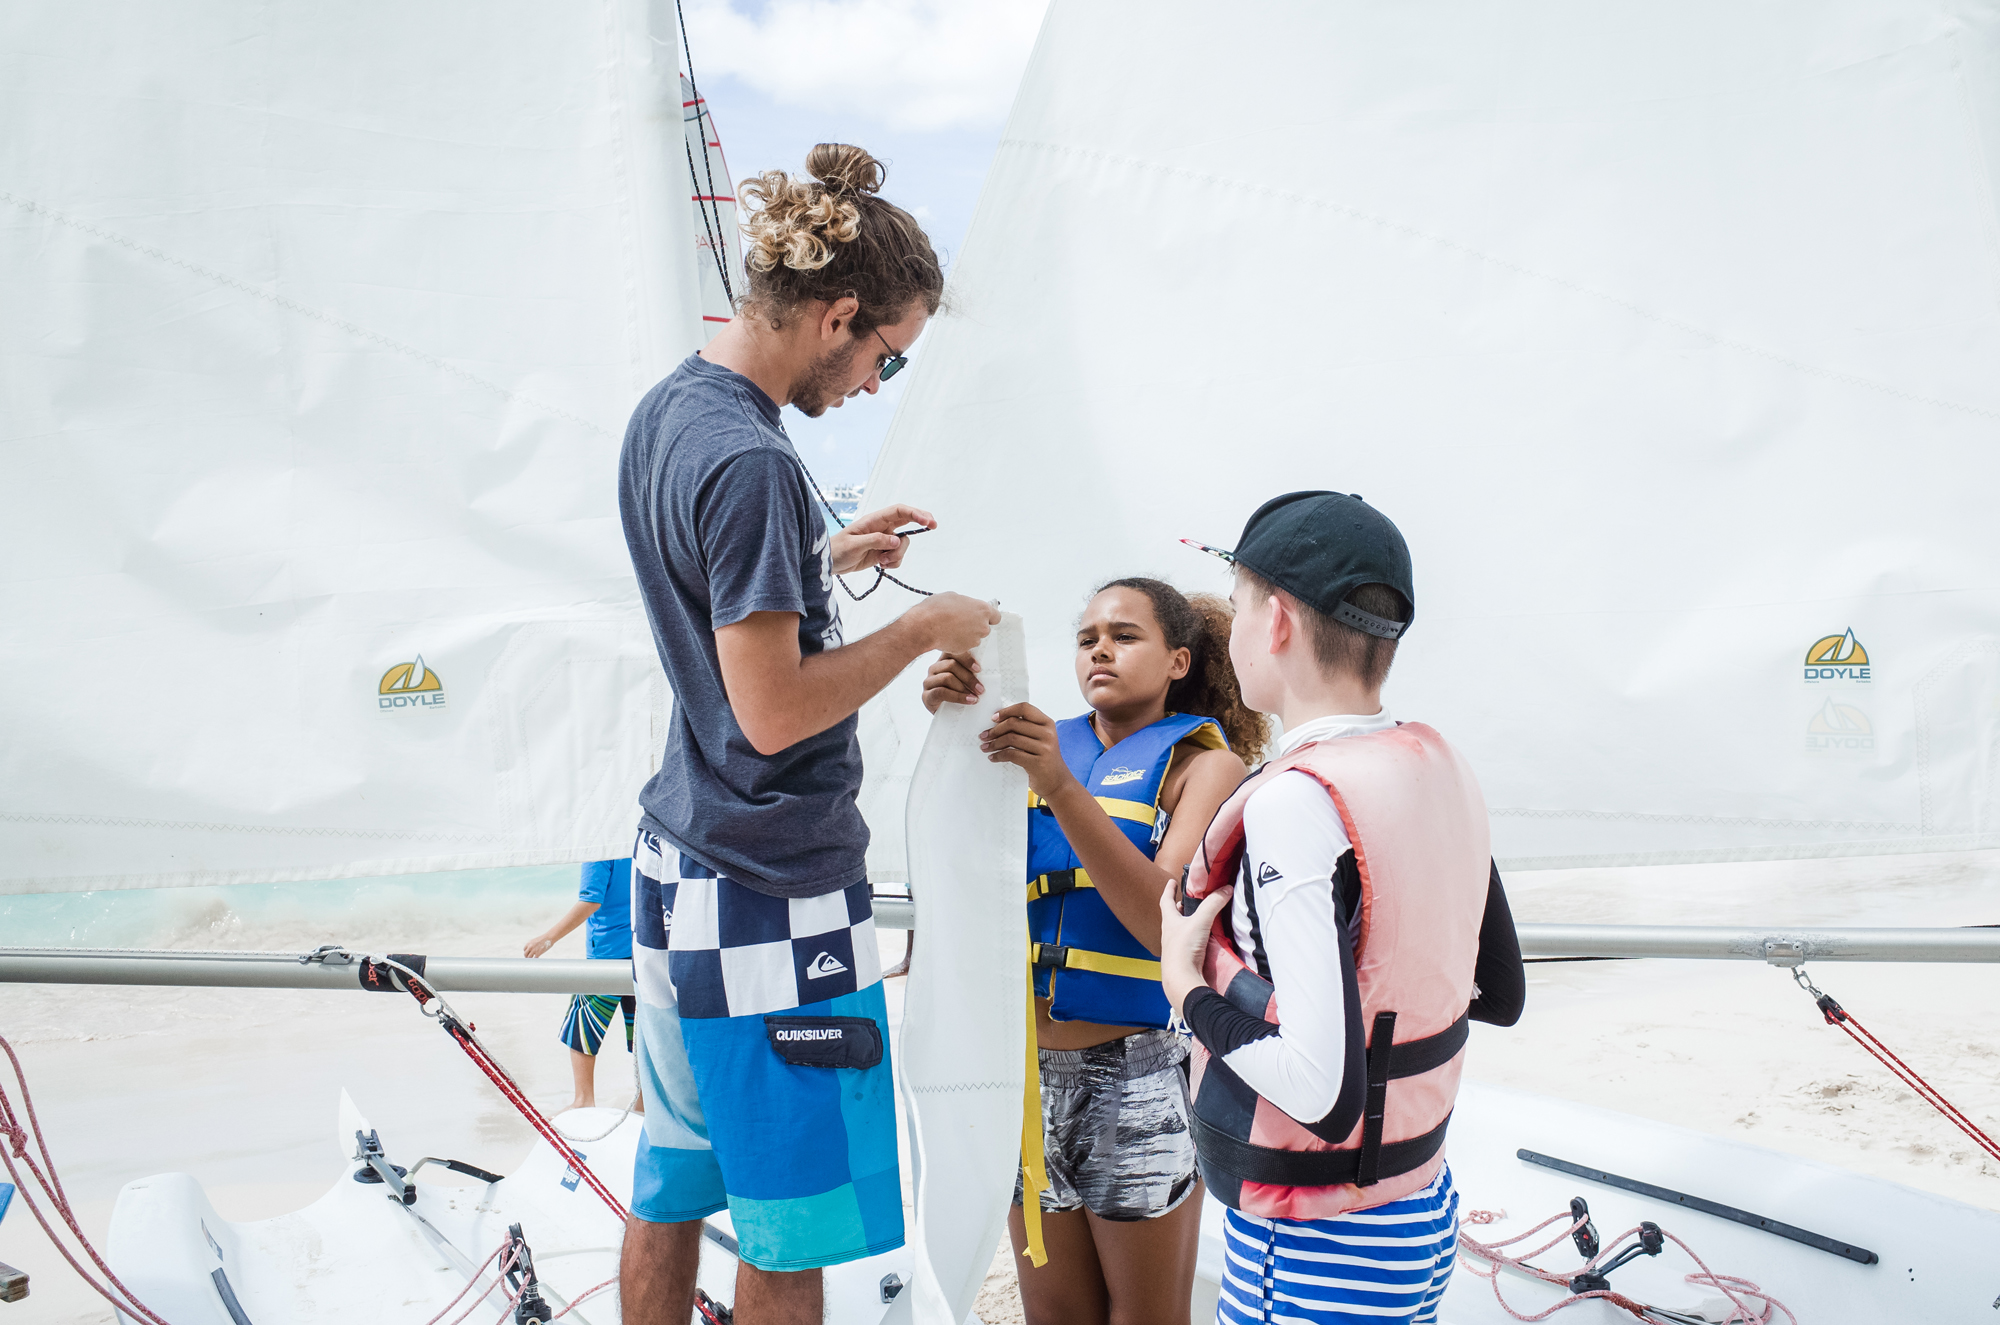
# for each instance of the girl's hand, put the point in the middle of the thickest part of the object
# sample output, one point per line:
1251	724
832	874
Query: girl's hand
1022	734
1184	941
951	678
537	945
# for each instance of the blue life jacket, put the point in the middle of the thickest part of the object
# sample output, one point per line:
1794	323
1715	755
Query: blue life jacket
1085	961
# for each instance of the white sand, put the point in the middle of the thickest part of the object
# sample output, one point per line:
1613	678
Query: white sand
239	1087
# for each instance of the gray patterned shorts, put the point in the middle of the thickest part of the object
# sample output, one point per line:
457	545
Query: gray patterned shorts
1115	1128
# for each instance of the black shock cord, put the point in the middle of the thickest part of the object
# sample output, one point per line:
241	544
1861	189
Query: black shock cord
715	230
880	573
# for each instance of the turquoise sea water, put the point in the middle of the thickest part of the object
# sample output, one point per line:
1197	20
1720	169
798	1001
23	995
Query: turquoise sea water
285	916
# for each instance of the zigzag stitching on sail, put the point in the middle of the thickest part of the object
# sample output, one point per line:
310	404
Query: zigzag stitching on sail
1642	817
1410	231
293	306
963	1087
98	821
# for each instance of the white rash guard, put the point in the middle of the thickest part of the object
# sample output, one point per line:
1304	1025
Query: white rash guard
1294	840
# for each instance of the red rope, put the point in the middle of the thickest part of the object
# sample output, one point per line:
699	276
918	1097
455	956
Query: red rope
17	1149
1837	1015
514	1095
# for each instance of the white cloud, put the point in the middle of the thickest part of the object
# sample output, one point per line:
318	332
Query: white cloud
910	64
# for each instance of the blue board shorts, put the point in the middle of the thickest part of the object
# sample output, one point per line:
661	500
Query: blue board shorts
764	1060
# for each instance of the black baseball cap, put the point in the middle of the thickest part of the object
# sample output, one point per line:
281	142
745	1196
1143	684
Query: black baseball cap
1320	547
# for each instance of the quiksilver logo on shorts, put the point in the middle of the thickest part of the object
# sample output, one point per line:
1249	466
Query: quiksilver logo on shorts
410	685
790	1036
824	965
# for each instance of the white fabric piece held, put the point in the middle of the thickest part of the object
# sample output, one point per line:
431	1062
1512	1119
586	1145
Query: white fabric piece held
963	1046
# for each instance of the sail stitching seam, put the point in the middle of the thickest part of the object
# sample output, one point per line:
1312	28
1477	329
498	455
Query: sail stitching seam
1411	231
1518	813
303	310
104	822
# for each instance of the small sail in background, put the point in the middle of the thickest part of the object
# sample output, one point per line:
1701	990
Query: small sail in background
717	242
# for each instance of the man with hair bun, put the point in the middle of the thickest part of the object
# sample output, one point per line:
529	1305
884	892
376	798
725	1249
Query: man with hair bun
762	1030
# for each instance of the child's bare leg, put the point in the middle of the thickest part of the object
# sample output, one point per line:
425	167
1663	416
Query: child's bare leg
583	1069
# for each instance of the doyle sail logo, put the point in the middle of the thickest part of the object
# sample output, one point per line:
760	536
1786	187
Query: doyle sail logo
1121	775
1837	658
1839	728
410	685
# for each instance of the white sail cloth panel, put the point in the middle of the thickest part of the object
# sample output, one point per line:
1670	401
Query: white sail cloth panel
1665	333
962	1064
322	329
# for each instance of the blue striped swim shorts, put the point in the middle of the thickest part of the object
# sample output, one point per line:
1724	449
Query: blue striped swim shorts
1387	1265
764	1059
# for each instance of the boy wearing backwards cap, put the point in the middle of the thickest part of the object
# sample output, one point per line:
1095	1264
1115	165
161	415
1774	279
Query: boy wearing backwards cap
1363	904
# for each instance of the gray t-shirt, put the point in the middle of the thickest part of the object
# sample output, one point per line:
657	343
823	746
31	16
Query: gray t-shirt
721	524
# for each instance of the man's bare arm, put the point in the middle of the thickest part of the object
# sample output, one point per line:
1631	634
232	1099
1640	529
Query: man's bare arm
780	698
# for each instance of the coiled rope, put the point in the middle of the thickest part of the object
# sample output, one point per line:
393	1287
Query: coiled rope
1492	1253
16	1150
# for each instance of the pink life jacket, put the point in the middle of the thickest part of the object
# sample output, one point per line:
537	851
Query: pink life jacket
1421	847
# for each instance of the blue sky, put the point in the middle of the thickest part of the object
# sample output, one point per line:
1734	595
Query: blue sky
923	84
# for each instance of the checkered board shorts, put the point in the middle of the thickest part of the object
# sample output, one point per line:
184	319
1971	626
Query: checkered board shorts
763	1045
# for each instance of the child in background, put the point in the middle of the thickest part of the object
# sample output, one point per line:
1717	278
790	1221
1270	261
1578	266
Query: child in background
604	906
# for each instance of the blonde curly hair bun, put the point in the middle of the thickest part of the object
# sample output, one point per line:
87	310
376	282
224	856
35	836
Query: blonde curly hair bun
802	238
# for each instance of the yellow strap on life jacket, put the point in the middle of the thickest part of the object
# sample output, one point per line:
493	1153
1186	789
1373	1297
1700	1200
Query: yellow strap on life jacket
1104	963
1034	1163
1039	885
1111	805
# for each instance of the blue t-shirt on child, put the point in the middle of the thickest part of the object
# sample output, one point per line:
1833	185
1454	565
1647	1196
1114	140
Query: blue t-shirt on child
608	932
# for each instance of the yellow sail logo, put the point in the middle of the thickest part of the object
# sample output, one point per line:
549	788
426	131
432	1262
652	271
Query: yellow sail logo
1837	658
410	685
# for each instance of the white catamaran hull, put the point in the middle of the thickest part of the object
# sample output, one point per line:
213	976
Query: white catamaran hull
356	1253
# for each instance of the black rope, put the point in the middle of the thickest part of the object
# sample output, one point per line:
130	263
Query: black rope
715	231
880	573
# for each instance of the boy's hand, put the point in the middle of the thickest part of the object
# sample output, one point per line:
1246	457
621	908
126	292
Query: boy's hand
1023	735
1184	940
951	677
867	542
537	945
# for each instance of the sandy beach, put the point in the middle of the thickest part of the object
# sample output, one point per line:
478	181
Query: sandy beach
239	1088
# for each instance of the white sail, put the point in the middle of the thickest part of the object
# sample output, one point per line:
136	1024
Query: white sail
1665	333
322	328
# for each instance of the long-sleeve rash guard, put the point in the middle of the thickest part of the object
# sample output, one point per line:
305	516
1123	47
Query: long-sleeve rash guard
1293	920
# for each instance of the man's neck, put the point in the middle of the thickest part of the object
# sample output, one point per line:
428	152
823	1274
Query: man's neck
752	351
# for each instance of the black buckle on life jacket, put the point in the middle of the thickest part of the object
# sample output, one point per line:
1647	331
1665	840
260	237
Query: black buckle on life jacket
1057	882
1052	955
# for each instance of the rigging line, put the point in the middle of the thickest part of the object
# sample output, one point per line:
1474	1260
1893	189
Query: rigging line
838	523
701	127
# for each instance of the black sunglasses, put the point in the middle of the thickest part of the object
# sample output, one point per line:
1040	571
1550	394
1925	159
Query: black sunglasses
894	363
